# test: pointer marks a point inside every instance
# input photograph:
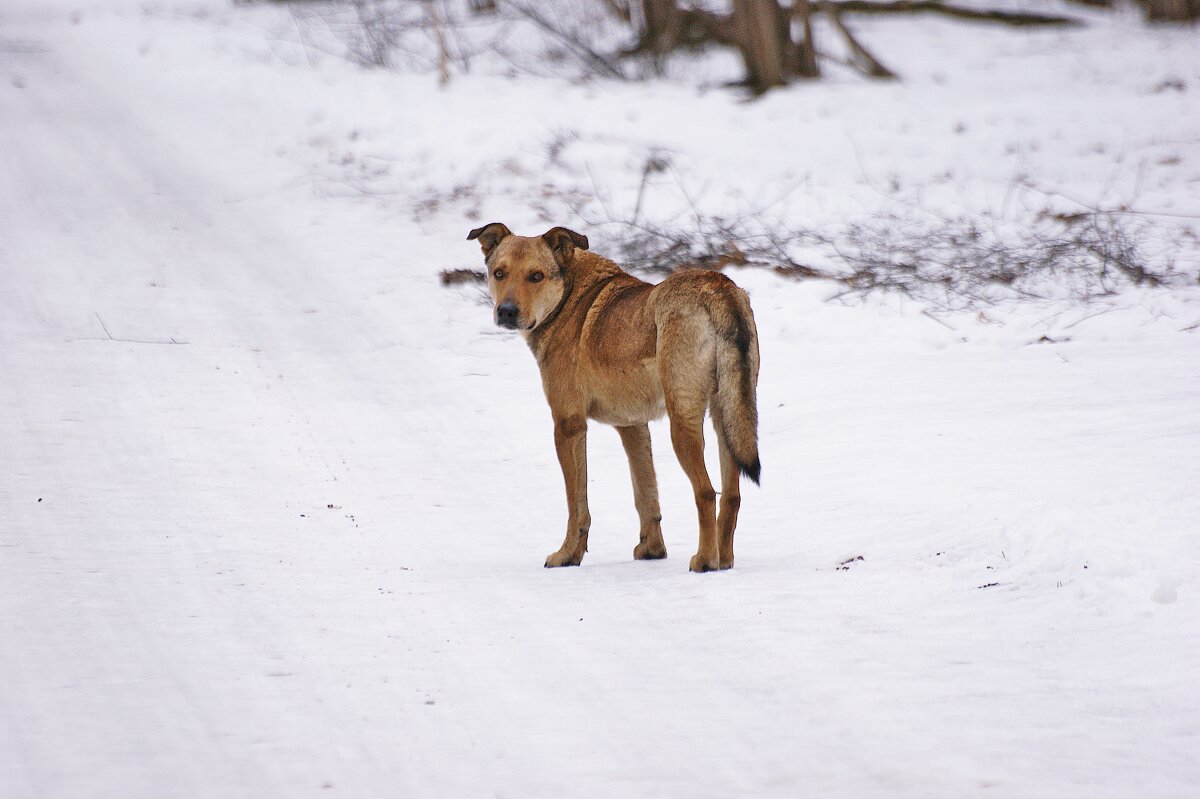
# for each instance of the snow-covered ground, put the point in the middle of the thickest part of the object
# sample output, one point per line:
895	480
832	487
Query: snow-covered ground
273	503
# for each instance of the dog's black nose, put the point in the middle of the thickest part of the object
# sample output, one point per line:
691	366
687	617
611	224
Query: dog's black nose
506	314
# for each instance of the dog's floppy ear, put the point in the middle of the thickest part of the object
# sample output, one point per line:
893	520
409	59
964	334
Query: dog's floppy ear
489	236
563	242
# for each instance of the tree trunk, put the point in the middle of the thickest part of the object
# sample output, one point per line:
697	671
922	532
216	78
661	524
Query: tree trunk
1171	10
666	27
662	22
763	33
809	68
760	29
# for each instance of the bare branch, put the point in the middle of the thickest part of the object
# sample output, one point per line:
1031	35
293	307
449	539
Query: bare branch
1014	18
859	55
600	63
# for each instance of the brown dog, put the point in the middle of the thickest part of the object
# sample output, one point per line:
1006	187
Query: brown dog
621	351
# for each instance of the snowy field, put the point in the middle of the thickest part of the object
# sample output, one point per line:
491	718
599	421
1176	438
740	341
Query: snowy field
274	503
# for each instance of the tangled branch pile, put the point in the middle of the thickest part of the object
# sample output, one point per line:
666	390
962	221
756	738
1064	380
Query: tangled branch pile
945	263
959	263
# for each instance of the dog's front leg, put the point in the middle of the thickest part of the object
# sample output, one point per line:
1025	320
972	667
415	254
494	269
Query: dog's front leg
570	441
645	492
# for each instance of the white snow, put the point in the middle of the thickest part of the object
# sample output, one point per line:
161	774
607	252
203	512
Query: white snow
273	503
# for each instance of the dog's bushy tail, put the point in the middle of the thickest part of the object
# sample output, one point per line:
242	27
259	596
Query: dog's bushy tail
735	400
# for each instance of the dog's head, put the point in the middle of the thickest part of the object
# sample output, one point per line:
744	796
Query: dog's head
526	274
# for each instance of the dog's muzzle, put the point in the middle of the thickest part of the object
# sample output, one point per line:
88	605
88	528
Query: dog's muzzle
507	314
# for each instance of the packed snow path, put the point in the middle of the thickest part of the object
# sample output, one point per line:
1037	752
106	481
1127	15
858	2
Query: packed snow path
273	505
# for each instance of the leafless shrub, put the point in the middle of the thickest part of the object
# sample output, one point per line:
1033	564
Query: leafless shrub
423	35
378	32
953	264
947	264
712	242
446	36
470	284
574	33
961	263
457	277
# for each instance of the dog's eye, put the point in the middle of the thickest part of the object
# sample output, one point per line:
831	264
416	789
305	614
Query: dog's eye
499	274
536	277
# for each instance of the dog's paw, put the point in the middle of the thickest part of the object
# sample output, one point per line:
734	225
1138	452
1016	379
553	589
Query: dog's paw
649	551
560	558
701	564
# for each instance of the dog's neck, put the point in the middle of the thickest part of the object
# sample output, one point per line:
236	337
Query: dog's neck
583	279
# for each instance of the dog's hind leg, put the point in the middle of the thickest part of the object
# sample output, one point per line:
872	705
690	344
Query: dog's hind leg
645	492
731	495
687	436
570	441
686	363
